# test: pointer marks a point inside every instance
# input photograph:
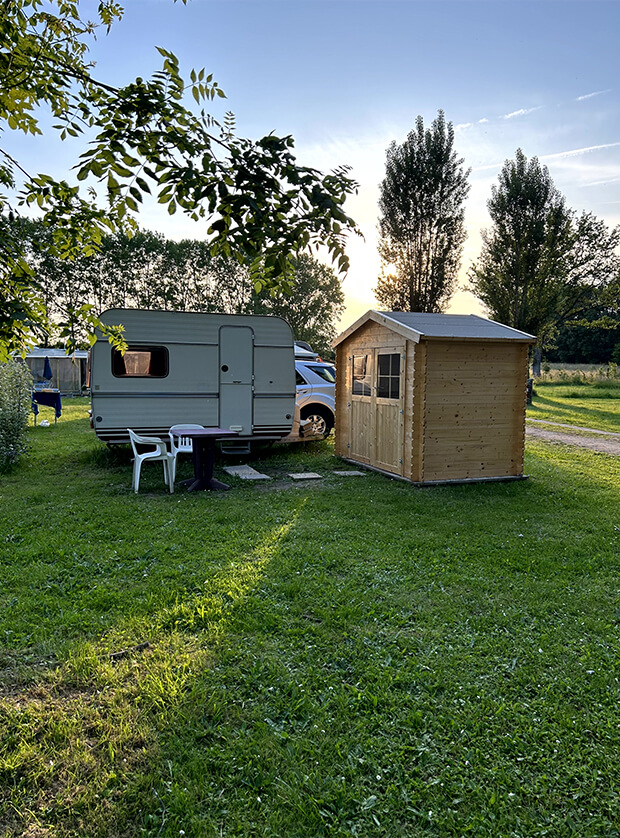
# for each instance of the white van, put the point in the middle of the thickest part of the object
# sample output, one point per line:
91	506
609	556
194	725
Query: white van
316	395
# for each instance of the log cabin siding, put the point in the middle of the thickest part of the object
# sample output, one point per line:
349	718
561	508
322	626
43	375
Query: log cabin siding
461	408
475	404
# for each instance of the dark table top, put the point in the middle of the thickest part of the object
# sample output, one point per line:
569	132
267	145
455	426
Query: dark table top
49	398
204	433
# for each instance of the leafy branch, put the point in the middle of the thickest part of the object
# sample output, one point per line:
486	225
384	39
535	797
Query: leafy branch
258	204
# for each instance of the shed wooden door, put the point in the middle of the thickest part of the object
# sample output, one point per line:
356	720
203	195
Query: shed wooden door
376	413
388	410
361	424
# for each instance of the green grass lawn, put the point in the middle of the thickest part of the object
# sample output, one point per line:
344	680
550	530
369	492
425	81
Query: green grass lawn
589	404
352	657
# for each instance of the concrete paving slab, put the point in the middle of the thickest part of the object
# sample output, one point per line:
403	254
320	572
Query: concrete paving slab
246	473
351	473
305	475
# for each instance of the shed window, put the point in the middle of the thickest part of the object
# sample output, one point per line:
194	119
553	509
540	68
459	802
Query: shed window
361	369
388	376
140	362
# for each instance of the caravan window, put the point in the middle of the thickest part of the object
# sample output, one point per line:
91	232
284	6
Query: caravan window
140	362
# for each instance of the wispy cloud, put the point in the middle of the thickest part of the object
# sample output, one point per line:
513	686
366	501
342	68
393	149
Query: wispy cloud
559	155
591	95
463	126
521	112
577	152
489	167
604	183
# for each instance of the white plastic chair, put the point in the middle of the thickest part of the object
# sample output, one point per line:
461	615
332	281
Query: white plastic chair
180	444
160	453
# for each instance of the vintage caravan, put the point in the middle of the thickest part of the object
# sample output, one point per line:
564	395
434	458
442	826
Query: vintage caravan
218	370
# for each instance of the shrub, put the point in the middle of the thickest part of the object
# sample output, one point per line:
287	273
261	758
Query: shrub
15	390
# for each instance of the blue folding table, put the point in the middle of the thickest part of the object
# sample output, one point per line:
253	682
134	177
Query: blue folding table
48	398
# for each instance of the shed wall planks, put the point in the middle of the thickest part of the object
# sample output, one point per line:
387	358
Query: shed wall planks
475	405
418	417
343	388
461	412
409	457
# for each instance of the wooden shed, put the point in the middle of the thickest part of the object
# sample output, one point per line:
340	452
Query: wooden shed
68	371
432	398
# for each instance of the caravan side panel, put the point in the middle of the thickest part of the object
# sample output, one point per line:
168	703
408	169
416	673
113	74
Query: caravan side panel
274	389
189	389
149	414
150	405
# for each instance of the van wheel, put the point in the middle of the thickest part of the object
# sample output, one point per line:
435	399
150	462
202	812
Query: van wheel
321	418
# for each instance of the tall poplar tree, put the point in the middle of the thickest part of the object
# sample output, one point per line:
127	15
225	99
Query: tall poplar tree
541	265
421	225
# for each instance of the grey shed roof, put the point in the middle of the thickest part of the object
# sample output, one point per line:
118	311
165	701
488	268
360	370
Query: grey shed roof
415	325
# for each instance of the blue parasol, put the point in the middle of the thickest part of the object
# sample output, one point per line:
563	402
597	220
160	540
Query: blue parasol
47	370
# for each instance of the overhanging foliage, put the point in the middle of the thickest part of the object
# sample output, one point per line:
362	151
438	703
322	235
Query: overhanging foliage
258	205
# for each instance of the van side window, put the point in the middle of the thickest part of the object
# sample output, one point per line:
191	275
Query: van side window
361	371
326	373
140	362
388	376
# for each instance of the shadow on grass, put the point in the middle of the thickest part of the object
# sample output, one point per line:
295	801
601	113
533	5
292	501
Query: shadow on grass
589	416
301	649
96	758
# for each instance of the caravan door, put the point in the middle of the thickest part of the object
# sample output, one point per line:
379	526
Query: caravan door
236	378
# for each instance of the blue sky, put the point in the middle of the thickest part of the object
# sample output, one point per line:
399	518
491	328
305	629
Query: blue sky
346	77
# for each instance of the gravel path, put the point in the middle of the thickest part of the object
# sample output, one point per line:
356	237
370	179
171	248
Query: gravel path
607	444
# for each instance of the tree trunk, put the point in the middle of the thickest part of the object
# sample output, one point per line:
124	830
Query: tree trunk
536	360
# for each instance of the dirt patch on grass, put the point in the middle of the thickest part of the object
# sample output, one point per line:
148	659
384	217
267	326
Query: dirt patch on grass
71	756
604	445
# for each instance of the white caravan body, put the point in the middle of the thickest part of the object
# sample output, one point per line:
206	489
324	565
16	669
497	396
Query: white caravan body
218	370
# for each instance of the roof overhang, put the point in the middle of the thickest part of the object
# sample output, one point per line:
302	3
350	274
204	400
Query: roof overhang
384	320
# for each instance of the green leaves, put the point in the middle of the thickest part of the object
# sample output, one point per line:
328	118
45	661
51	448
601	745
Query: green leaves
540	264
261	207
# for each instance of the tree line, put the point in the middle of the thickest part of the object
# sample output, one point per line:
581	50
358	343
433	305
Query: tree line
255	202
149	271
543	268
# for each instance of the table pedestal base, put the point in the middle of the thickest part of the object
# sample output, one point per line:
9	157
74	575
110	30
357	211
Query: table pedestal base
203	456
196	484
